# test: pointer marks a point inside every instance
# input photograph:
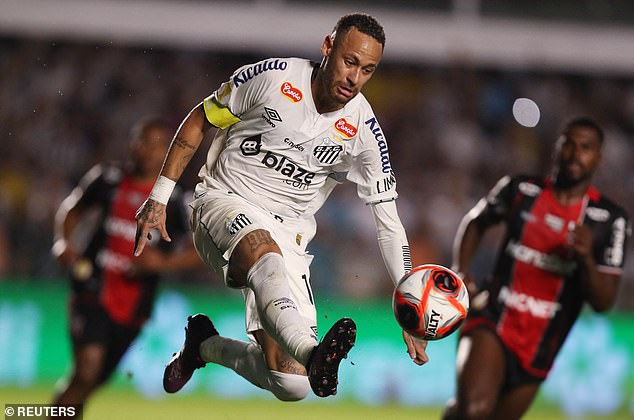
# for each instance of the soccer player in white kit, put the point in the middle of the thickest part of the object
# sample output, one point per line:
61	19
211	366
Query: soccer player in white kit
289	132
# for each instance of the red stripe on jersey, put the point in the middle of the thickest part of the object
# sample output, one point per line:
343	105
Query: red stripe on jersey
541	258
121	293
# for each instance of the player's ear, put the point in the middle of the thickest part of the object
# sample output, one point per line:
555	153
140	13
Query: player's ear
327	45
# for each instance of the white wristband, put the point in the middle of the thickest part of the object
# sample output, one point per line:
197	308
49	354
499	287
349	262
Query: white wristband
162	190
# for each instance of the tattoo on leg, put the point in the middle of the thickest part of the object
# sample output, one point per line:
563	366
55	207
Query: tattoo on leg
290	365
259	238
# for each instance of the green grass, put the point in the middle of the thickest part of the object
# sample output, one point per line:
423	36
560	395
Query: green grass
121	405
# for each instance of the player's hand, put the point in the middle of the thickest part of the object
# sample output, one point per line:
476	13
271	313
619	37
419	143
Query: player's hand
581	240
416	348
65	252
151	215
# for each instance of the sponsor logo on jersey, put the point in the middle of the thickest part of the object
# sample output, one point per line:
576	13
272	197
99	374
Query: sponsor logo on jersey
555	223
597	214
522	302
251	145
121	228
547	262
291	92
293	145
344	127
271	115
529	189
374	127
327	154
236	223
297	176
386	184
257	69
614	254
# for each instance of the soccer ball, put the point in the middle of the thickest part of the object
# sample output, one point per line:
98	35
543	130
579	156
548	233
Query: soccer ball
430	302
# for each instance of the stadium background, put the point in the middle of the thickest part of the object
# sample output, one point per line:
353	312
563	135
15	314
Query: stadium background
74	75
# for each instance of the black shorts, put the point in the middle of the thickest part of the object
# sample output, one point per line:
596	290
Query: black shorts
90	324
516	375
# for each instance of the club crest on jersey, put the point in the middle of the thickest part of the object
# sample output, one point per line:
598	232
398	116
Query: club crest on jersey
235	223
344	127
327	153
291	92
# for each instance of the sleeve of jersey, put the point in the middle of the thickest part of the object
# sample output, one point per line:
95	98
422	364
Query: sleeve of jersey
234	97
498	200
91	188
611	258
392	240
371	169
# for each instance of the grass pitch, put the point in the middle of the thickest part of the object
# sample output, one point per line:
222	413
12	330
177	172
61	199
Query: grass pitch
116	404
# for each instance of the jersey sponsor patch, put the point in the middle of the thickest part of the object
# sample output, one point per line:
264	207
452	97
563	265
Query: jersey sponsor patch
291	92
548	262
344	127
251	145
522	302
597	214
257	69
529	189
374	127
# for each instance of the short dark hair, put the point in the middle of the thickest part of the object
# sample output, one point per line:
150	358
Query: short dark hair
364	23
584	122
147	123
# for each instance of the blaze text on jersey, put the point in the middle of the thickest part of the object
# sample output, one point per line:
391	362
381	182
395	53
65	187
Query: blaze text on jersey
298	177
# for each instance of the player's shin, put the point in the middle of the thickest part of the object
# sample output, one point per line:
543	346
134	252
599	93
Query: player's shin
278	312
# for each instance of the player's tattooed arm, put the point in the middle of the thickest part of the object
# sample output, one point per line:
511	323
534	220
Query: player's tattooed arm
188	147
185	143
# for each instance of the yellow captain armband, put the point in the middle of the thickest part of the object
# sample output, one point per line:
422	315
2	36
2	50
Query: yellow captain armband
218	114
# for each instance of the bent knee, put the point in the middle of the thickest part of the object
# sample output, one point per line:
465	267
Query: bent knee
289	387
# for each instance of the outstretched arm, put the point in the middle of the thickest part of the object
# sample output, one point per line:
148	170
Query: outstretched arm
396	255
152	214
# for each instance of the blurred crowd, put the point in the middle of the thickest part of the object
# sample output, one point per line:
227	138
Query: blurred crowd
451	134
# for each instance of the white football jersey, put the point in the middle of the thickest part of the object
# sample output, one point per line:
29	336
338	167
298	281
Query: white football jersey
275	150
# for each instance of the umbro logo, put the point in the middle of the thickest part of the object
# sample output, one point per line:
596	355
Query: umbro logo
271	115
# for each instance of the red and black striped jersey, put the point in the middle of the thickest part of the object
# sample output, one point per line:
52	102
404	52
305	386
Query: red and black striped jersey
535	291
117	196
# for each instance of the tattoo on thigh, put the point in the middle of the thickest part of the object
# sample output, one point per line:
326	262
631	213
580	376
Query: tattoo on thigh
259	238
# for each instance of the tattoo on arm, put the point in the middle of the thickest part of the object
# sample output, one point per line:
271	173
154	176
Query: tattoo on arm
183	144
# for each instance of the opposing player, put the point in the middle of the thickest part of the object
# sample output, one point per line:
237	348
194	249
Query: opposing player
564	245
112	294
290	130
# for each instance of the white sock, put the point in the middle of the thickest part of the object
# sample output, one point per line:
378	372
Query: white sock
278	312
247	360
